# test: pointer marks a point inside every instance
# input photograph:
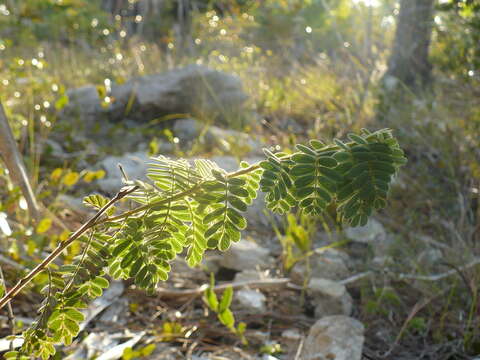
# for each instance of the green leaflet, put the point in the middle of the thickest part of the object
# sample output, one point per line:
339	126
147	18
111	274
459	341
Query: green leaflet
367	171
357	139
276	182
317	144
306	150
226	300
196	241
299	170
304	159
97	202
315	183
64	324
222	308
224	221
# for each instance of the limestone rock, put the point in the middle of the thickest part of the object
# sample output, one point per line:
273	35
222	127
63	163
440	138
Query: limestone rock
250	300
329	297
187	129
246	255
372	232
291	335
248	275
334	338
192	89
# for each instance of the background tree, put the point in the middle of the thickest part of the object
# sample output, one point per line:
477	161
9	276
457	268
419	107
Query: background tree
409	69
409	61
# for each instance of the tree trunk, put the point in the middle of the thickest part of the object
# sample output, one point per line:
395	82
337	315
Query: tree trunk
15	166
409	59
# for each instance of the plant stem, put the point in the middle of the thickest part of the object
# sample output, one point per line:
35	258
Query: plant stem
62	246
178	196
95	220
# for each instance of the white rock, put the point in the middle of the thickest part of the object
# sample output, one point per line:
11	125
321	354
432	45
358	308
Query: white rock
248	275
329	297
92	345
245	255
115	313
268	357
260	336
373	231
291	335
334	337
251	300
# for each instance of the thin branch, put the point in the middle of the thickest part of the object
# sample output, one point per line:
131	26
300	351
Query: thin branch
62	246
441	276
95	220
178	196
413	312
355	277
299	348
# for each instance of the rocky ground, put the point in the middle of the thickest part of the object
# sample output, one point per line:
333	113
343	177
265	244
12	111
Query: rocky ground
313	311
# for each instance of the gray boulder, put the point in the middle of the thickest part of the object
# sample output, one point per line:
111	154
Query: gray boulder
372	232
192	89
334	337
246	255
188	129
251	300
329	297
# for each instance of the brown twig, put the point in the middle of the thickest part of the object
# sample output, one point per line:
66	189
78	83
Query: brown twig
95	220
178	196
413	312
62	246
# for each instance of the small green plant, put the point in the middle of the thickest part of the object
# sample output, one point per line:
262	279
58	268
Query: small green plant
130	354
222	309
171	331
198	206
297	240
271	348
